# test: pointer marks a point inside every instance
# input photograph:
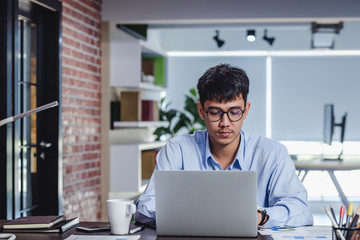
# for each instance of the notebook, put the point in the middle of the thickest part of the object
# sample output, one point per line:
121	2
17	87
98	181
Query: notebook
206	203
30	222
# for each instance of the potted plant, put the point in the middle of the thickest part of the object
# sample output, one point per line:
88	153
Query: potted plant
187	121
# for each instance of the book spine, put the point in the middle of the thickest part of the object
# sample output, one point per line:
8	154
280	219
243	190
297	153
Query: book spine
148	161
147	112
130	109
114	113
156	114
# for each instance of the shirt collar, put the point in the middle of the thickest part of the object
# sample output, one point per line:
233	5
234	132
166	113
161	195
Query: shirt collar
238	163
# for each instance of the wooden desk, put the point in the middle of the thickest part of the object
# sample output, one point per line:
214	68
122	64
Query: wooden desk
329	166
146	234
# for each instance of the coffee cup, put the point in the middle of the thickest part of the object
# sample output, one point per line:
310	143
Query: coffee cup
120	212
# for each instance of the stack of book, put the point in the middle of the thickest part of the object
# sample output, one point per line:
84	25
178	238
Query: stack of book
133	108
38	224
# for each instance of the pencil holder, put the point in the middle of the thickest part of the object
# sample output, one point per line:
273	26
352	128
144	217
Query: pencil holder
342	233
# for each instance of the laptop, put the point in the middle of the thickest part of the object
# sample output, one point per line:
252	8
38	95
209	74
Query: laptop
206	203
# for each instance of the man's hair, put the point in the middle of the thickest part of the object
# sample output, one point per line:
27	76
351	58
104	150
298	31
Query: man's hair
223	83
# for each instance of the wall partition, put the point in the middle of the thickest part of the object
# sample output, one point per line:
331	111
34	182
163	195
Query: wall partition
300	88
287	91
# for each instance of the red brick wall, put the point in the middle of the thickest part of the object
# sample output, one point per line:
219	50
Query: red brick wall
81	61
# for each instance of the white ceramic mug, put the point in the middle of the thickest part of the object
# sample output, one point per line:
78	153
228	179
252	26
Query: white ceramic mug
120	212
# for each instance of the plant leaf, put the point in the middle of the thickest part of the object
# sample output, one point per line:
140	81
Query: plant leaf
193	92
170	114
183	121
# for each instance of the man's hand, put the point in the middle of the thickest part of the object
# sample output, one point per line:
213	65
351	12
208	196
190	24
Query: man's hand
258	217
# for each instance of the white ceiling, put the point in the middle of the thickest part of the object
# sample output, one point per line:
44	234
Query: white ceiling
190	25
287	37
228	11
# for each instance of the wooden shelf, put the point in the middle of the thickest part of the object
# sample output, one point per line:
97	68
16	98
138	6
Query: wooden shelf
151	87
149	50
151	145
120	124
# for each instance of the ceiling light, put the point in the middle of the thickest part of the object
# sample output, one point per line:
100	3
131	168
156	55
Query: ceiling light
251	35
323	35
270	40
218	41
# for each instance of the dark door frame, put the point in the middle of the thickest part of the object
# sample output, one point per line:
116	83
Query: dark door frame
9	134
7	73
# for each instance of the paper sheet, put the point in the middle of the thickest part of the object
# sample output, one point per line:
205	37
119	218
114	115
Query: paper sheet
105	237
300	233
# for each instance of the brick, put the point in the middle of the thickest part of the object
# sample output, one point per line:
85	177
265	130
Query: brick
84	8
81	111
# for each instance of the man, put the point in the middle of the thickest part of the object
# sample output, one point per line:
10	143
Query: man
223	105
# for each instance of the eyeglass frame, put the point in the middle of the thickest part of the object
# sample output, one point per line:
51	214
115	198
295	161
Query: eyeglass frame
223	112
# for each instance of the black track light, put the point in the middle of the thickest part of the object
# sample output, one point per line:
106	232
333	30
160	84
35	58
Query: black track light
251	35
218	41
270	40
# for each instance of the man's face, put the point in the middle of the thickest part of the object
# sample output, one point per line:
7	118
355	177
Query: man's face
224	132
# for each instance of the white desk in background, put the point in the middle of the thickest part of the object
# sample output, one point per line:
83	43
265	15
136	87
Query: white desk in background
329	166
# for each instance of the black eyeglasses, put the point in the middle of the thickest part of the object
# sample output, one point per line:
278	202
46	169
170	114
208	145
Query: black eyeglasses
234	114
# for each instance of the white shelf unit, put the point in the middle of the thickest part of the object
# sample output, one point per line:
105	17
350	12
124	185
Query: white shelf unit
125	167
124	124
126	53
122	69
125	70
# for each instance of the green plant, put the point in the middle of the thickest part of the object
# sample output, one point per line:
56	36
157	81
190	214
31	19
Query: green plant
188	120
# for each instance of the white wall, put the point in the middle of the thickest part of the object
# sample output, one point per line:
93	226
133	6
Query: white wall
300	88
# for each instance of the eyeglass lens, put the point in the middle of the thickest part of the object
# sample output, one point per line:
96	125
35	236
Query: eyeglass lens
234	114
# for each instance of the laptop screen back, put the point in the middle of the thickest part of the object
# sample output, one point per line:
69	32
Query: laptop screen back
206	203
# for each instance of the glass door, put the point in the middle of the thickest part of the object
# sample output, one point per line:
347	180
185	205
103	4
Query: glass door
31	160
28	127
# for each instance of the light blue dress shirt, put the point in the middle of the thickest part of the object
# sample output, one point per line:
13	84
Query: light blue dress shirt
280	191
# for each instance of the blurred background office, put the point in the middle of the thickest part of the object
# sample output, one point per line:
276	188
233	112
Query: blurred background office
303	56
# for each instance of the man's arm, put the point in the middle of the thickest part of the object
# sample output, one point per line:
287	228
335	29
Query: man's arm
147	221
287	197
145	206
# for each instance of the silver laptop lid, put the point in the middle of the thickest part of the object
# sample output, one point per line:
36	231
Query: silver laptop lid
206	203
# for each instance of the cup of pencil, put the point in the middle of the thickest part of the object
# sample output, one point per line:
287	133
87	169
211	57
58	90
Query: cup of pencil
348	230
346	233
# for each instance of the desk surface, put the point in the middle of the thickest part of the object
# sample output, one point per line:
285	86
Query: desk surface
318	164
147	234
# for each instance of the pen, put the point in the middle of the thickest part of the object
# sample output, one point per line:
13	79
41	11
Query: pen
342	213
333	222
135	230
349	214
356	217
332	211
355	235
353	223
